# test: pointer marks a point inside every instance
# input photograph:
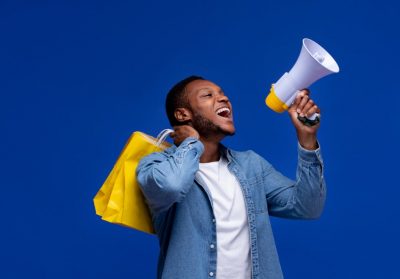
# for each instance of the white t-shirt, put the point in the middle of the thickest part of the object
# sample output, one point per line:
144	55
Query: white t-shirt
233	240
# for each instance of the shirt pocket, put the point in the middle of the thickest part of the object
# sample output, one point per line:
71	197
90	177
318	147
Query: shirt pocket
258	194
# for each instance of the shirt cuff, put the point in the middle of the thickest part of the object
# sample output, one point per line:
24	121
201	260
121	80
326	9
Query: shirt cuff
193	143
310	156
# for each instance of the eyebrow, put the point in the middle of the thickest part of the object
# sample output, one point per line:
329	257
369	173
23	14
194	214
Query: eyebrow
209	88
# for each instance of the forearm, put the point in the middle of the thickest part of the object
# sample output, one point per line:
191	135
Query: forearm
307	141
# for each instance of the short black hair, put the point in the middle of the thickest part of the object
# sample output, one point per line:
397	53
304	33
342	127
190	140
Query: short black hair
176	98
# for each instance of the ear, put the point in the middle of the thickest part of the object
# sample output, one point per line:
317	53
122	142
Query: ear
183	114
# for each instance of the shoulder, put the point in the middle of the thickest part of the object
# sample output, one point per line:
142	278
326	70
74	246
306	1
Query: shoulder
245	155
249	159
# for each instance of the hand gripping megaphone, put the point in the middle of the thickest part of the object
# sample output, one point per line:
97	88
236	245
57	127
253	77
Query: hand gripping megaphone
313	63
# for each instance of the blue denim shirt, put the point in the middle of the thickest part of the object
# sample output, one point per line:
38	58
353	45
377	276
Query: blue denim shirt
183	215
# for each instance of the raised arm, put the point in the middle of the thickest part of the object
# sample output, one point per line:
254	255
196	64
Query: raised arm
305	197
166	177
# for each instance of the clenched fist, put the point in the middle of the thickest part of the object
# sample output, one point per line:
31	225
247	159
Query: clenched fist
182	132
303	106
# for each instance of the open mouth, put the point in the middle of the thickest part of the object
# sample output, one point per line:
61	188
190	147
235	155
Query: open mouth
224	112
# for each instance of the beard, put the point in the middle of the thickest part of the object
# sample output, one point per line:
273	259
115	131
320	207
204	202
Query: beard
206	128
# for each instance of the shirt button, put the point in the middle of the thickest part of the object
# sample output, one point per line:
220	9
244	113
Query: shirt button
212	246
213	220
211	274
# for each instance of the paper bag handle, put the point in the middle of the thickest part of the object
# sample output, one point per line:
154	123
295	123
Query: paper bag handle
163	135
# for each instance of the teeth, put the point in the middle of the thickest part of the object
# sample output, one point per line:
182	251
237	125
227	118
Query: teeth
221	110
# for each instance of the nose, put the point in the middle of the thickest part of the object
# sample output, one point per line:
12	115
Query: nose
223	99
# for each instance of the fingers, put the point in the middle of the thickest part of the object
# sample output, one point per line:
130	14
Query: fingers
312	110
299	97
176	136
182	132
307	106
304	105
297	101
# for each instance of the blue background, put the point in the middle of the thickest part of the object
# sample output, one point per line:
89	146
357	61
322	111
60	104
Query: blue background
78	77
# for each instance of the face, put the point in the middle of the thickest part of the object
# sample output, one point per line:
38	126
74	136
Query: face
211	110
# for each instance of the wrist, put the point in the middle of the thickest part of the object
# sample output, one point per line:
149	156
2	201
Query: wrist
308	142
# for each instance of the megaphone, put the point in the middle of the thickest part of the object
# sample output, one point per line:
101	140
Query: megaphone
313	63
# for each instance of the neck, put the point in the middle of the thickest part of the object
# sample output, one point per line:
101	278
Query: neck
211	150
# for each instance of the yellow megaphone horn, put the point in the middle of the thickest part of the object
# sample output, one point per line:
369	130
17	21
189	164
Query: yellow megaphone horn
313	63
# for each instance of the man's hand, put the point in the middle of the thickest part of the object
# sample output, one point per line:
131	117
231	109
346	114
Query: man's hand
304	106
182	132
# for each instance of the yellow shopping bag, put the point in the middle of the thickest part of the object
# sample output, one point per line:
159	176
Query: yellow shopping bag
120	200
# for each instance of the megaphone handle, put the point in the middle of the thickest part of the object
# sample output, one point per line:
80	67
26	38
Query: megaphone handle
311	121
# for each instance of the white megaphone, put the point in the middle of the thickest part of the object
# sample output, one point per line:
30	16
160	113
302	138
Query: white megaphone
314	62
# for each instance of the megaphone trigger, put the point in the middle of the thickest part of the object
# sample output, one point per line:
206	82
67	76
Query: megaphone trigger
311	121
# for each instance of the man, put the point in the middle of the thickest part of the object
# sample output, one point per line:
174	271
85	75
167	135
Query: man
210	204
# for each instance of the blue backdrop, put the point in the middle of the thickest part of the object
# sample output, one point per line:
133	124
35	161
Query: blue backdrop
78	77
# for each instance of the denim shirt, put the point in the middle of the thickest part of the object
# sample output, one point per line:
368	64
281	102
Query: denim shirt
182	209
